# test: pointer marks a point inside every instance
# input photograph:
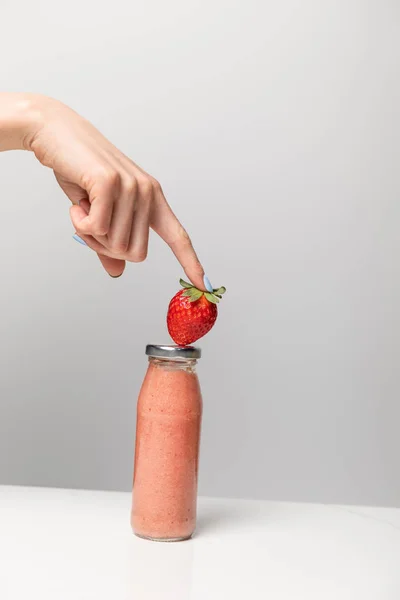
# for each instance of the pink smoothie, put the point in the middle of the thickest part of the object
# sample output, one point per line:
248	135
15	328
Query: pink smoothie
167	452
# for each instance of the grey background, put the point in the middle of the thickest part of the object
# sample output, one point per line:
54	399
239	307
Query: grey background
274	130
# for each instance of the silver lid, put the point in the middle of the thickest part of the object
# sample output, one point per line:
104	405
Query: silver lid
173	352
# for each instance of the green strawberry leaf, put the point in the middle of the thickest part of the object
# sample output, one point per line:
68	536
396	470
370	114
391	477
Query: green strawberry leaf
185	284
211	297
194	294
187	292
219	291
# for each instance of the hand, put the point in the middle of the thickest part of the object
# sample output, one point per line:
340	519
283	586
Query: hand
114	201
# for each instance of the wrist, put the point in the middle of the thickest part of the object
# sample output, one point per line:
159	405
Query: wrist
21	118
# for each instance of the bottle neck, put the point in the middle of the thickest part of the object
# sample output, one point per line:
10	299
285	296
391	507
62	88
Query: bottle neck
187	365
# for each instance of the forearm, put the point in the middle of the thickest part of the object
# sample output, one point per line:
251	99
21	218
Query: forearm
20	117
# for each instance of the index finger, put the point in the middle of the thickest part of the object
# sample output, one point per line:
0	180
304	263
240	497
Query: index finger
167	226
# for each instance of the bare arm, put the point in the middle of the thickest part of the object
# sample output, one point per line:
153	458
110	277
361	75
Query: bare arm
17	118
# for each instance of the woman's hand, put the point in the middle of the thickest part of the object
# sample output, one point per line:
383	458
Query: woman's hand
114	201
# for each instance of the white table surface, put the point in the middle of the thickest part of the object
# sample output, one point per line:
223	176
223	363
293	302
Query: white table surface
68	544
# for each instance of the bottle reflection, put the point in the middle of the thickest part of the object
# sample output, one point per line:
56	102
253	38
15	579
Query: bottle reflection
161	571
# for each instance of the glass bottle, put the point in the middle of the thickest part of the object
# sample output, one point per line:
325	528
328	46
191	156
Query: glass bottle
168	427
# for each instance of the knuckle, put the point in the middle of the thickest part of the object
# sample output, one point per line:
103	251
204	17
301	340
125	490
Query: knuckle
131	185
180	238
146	187
107	176
183	236
82	228
156	186
99	229
138	256
112	178
120	247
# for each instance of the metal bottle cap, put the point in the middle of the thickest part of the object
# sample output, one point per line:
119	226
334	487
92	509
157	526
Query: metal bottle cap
173	352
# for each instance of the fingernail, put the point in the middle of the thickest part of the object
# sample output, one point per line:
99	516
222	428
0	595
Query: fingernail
207	284
115	276
79	239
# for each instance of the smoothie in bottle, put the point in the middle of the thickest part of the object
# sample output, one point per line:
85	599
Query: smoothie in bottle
167	445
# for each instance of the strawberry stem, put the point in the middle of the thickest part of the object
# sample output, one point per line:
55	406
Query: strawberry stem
194	294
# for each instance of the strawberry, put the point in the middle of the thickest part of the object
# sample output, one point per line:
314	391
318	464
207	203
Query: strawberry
192	313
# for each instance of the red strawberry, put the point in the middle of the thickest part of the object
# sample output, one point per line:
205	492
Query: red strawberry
192	313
